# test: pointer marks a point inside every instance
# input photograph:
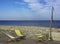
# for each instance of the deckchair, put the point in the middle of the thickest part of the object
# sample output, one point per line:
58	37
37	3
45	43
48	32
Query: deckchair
40	37
12	38
19	34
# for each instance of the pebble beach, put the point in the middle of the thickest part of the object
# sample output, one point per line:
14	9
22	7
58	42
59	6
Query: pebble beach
29	32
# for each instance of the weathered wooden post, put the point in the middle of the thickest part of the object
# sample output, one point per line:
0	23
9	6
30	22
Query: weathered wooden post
51	22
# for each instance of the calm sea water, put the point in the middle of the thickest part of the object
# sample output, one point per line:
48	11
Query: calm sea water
42	23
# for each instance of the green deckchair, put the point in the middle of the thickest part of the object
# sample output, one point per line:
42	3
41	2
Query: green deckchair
18	33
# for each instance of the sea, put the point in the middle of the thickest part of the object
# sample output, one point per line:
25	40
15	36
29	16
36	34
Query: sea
41	23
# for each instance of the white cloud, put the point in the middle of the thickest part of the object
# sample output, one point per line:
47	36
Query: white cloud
33	4
36	6
44	10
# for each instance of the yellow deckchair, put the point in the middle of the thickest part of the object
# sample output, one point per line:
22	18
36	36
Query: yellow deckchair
19	33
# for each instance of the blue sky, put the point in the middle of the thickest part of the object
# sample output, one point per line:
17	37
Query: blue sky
29	9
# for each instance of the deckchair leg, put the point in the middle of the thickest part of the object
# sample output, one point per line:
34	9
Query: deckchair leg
22	37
